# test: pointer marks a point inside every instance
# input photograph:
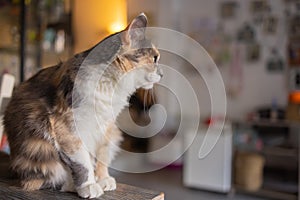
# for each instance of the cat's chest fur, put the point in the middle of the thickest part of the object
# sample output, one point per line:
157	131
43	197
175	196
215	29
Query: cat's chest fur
101	106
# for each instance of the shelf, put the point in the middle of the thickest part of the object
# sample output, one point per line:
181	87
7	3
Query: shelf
269	123
51	58
272	151
11	50
34	18
281	186
280	175
268	193
280	151
15	50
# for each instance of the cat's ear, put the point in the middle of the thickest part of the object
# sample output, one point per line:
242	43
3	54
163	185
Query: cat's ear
135	31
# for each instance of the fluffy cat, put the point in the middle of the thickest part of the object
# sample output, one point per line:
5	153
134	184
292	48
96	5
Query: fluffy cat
61	122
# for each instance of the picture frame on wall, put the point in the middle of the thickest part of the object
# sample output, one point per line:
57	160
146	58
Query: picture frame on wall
270	25
253	52
258	6
275	62
228	9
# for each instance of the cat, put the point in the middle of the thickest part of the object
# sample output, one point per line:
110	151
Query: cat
54	138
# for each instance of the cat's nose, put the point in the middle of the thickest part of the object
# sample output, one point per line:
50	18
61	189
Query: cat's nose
160	72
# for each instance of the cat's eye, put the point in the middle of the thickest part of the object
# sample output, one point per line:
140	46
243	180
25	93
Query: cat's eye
155	59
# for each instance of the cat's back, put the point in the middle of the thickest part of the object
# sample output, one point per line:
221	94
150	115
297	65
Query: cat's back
31	103
39	86
28	127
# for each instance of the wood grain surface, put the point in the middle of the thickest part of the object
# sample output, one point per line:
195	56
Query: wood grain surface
10	190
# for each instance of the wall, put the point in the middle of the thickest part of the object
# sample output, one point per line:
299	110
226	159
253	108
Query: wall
92	18
259	87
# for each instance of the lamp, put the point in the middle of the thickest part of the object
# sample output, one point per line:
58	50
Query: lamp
116	15
95	19
116	27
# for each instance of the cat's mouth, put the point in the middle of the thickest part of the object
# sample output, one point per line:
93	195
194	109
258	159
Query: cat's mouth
148	86
151	79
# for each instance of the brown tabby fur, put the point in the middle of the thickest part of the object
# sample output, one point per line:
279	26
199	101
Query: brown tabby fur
39	119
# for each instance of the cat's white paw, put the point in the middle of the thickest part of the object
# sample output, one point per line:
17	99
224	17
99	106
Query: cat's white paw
90	191
108	183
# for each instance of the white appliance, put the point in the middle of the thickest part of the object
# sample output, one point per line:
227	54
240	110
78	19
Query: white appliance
212	172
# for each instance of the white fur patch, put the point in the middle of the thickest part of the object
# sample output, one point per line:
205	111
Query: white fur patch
60	174
104	100
90	191
108	183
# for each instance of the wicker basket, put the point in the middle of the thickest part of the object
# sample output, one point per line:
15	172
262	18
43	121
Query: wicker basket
249	170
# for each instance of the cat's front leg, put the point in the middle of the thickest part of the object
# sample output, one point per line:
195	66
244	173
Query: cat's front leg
74	154
106	182
106	150
77	158
103	178
82	173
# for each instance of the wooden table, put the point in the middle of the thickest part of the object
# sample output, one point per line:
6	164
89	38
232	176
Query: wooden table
9	189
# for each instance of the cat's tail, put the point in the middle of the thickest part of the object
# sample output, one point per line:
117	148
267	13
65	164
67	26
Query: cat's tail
38	165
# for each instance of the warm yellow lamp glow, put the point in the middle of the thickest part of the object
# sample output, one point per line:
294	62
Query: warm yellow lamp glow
117	16
95	19
116	27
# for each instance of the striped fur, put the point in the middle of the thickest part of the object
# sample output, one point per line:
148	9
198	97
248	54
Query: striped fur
55	140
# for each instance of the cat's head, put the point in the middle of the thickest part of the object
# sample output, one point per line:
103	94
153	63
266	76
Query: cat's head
138	56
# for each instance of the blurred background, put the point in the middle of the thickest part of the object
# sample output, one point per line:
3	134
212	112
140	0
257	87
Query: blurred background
255	45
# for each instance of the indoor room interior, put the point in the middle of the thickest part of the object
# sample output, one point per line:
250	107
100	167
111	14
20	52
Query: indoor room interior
224	120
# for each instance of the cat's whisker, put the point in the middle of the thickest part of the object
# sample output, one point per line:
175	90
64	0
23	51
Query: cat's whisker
153	96
145	100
